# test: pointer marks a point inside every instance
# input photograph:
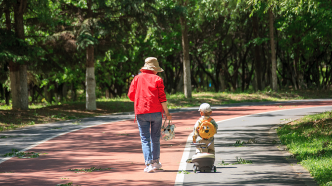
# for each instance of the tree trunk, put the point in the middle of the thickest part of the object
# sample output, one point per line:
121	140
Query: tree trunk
64	92
2	92
48	93
222	82
24	94
90	80
273	54
14	74
14	85
73	92
243	76
32	92
18	74
266	61
186	61
296	66
9	27
45	93
258	66
7	96
107	94
179	87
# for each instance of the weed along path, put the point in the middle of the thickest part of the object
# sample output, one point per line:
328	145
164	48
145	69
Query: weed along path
107	151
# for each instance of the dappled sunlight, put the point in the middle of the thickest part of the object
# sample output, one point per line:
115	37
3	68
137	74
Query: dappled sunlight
115	147
114	150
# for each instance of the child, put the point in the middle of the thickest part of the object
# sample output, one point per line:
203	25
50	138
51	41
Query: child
205	111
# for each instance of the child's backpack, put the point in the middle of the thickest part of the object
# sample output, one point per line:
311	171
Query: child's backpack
206	129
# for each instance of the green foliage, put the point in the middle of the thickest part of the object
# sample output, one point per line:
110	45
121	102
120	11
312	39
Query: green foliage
85	36
125	32
17	50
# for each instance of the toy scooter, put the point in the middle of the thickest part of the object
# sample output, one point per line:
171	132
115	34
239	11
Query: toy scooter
203	161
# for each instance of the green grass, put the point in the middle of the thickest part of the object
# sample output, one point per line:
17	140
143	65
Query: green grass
223	163
92	169
66	184
16	153
240	143
183	172
310	141
179	101
239	160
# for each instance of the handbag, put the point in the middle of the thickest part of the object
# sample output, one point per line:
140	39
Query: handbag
167	132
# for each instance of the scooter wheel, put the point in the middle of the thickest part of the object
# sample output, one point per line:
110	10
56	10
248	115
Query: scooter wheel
214	169
194	168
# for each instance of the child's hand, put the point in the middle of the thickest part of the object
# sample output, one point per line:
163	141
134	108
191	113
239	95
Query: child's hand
194	139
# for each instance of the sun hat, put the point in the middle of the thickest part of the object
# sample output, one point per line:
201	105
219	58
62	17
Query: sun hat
205	107
151	63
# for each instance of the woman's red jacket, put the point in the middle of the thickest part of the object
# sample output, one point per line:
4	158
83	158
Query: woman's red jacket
147	92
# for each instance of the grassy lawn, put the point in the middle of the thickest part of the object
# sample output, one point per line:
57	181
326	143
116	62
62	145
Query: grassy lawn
309	139
46	113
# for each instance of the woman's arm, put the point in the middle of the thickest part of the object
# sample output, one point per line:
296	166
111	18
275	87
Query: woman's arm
168	115
132	90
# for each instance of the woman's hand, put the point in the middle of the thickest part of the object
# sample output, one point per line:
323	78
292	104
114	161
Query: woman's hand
169	116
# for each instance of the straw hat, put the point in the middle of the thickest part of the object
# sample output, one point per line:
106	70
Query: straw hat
151	63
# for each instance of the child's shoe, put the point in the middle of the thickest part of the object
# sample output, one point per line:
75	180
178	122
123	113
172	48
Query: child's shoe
149	168
157	166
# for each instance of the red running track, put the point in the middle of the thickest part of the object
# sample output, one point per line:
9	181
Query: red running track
117	146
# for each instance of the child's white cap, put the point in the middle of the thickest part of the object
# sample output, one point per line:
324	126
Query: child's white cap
205	107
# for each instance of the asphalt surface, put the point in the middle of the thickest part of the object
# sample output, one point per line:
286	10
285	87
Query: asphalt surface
271	164
256	122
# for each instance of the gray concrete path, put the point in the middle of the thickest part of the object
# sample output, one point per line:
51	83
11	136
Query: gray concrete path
271	164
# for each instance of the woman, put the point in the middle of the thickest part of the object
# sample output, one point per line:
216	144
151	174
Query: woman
147	92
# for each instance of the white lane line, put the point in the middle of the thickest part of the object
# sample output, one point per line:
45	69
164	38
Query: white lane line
183	164
60	134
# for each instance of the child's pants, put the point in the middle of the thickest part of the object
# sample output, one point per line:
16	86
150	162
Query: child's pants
209	149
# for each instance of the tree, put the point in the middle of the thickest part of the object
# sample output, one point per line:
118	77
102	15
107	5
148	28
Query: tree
258	66
17	51
90	80
18	72
273	53
185	50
